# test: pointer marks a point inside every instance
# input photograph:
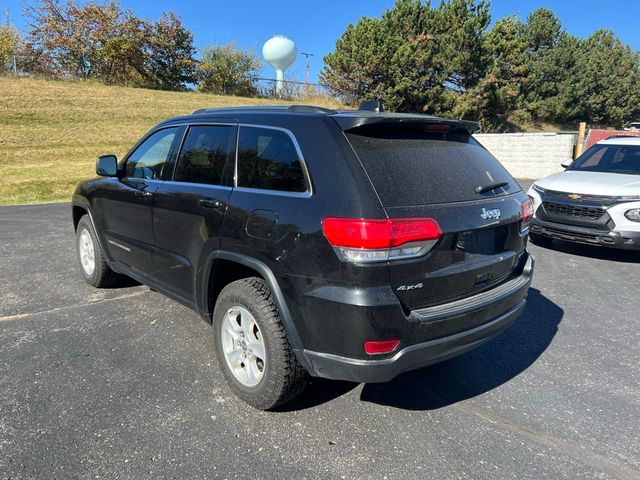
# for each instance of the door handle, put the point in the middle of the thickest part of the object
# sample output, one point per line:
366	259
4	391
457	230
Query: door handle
143	194
210	203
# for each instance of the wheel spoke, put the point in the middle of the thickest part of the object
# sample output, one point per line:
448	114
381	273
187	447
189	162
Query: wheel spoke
233	357
229	330
250	366
257	349
245	322
231	323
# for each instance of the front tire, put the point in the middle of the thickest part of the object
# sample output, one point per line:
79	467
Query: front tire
252	346
93	264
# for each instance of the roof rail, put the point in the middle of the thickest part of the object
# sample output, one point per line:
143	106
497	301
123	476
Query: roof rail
310	109
242	108
621	136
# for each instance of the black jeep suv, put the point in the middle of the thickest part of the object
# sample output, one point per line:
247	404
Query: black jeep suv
352	245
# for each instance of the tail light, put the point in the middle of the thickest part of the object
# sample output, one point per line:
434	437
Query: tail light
366	241
378	347
526	208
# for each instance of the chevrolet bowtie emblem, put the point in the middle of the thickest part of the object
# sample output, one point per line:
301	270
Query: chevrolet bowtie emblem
574	196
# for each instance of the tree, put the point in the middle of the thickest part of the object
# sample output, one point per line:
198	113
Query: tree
170	54
121	57
607	86
415	58
86	41
228	70
101	41
542	30
507	71
550	57
10	43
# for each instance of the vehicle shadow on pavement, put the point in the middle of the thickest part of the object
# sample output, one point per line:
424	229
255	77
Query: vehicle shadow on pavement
478	371
317	392
592	251
123	282
467	376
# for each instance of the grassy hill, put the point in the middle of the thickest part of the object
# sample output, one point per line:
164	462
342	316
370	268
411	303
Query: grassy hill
51	132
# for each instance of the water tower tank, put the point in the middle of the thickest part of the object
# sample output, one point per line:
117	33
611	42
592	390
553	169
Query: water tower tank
279	52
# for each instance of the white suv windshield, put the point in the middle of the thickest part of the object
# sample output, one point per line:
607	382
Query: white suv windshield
610	159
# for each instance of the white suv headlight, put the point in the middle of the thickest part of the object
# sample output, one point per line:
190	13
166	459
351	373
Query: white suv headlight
633	214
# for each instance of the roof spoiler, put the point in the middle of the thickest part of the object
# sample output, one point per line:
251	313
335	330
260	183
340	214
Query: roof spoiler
372	106
352	122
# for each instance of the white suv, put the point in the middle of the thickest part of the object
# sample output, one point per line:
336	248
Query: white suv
596	200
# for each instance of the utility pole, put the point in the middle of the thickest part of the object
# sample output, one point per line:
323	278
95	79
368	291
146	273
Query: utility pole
7	20
580	144
307	55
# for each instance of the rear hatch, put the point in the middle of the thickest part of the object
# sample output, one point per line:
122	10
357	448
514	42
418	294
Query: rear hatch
439	171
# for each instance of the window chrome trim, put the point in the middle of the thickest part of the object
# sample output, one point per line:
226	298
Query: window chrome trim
305	171
280	193
193	184
145	180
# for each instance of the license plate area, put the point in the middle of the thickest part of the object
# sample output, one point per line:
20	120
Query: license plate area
487	241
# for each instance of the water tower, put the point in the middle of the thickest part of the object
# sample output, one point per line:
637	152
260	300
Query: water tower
279	52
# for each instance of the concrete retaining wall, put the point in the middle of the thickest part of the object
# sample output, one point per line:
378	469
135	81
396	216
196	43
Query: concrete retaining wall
529	155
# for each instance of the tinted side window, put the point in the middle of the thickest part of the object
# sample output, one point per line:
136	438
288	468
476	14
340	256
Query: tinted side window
204	155
148	160
268	159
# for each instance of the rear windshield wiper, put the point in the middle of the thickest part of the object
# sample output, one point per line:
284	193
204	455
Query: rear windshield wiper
489	187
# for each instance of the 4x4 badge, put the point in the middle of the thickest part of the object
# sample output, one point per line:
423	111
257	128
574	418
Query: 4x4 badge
488	214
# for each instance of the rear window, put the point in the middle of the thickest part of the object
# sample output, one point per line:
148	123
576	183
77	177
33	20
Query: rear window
409	166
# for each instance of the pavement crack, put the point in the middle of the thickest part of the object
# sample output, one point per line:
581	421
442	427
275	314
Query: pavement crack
575	450
19	316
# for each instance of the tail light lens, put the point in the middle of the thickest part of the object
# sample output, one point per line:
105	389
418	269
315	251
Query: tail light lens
366	241
526	208
378	347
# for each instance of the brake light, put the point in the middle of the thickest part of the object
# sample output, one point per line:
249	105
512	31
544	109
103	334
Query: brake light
369	240
380	346
435	128
526	209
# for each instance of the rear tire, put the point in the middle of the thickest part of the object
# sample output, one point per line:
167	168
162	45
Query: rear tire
540	240
252	346
93	264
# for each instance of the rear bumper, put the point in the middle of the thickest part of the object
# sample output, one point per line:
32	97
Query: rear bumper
588	236
508	300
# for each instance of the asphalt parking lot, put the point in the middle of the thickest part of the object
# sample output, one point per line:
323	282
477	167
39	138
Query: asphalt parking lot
123	383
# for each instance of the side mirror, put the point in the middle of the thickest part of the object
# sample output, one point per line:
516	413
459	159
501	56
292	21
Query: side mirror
566	163
107	166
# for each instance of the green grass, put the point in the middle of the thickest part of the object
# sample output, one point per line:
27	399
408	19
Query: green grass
51	132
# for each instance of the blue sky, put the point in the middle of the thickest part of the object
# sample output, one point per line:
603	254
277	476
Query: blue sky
315	26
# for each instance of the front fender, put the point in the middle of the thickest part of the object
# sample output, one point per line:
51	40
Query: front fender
80	200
